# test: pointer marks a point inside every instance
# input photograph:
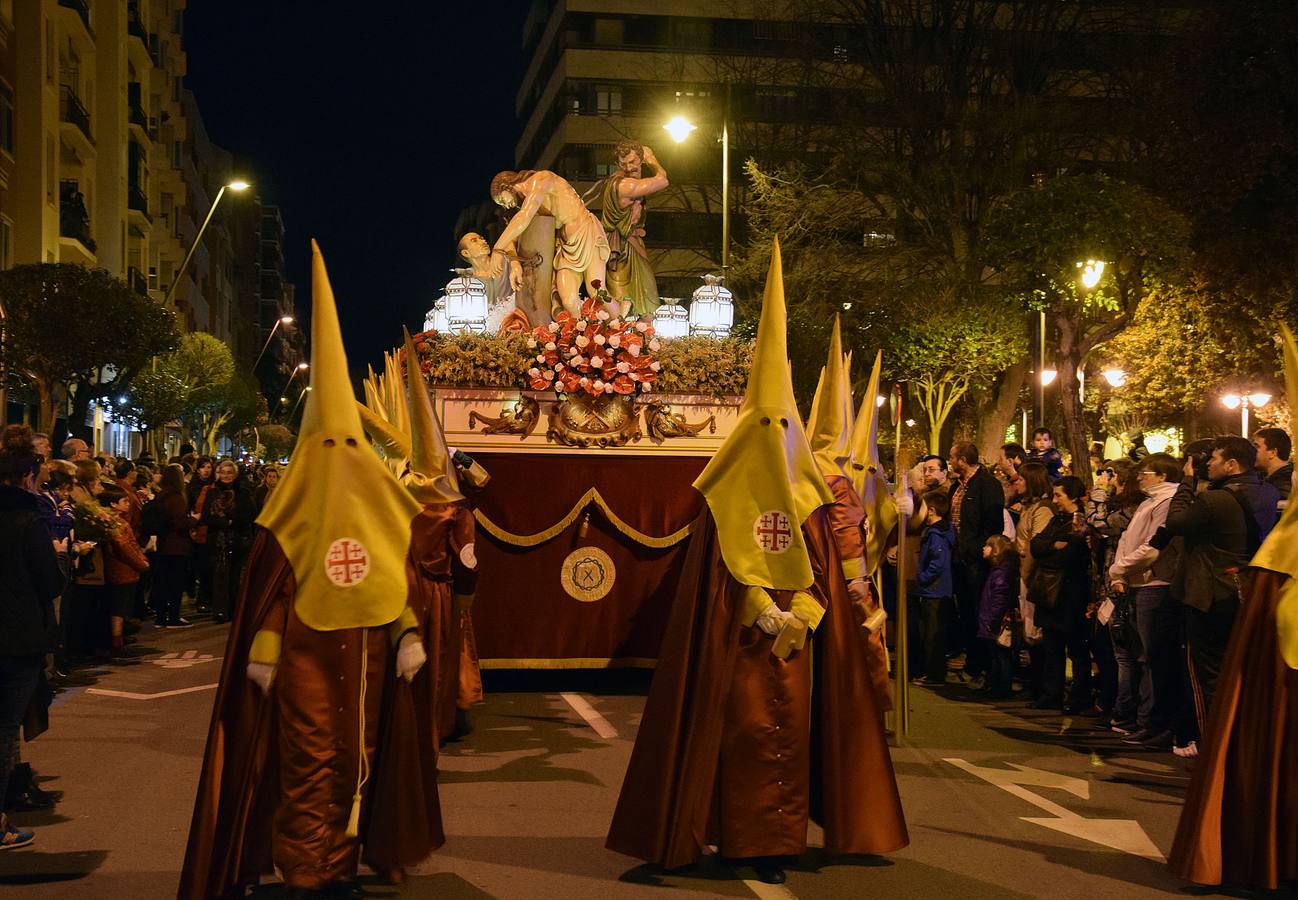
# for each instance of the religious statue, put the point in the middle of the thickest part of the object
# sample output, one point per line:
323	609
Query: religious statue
582	249
662	423
502	284
624	196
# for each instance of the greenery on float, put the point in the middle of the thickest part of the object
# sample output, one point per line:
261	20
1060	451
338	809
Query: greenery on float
690	365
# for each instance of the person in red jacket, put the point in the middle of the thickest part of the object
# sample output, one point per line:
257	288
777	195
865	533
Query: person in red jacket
123	563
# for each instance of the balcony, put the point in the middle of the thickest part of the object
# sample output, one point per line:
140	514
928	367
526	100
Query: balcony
138	283
73	112
135	111
137	201
74	223
135	24
81	8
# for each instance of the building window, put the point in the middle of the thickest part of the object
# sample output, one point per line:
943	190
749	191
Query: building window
6	119
608	101
6	243
609	31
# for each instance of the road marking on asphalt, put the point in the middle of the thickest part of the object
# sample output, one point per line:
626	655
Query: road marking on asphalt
188	659
769	891
1125	835
601	725
131	695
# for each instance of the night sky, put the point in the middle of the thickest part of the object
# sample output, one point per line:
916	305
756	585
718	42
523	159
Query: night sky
370	130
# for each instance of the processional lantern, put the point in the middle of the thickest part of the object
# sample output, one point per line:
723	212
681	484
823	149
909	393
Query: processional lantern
671	320
435	319
712	309
466	305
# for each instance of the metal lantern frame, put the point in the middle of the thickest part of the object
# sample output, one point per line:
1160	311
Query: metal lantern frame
466	305
712	308
671	320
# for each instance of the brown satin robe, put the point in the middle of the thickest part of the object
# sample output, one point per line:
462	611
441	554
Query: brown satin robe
738	748
279	770
847	519
1239	824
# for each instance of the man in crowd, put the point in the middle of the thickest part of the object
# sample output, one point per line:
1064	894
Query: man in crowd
977	512
1222	527
74	449
1012	457
934	472
1273	450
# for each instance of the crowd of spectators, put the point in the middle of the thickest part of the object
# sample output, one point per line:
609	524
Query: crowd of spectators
93	549
1114	603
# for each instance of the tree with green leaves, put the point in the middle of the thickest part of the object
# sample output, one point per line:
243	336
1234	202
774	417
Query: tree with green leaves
1039	239
155	399
944	350
78	333
276	439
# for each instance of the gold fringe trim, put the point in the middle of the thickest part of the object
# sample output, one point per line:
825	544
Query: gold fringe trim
591	496
576	662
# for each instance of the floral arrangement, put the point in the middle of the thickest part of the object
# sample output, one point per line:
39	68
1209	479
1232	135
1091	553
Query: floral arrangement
473	360
705	365
599	352
92	522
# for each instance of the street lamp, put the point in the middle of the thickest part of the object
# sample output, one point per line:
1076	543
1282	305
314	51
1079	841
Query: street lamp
680	128
237	186
1048	377
1245	402
1115	377
1092	270
282	320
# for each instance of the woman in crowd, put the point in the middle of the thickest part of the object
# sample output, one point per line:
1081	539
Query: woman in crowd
269	478
1036	515
170	513
196	493
1061	588
29	581
1109	508
228	512
88	482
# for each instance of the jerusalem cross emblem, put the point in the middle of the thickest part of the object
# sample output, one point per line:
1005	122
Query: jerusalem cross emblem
347	562
773	532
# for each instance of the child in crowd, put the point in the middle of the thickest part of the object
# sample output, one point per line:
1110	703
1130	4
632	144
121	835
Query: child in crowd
123	563
1000	595
936	587
1044	452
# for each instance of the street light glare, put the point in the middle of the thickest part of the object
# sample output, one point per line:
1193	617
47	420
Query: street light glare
1115	377
302	366
880	400
1259	399
1092	272
1232	401
286	320
238	185
1048	377
679	128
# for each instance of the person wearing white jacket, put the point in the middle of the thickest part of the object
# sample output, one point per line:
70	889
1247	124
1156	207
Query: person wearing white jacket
1139	569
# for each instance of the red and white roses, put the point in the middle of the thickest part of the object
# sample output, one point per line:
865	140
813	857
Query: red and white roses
597	353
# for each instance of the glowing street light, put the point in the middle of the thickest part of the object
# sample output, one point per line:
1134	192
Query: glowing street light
282	320
1115	377
1245	402
1048	377
679	128
237	186
1092	272
880	400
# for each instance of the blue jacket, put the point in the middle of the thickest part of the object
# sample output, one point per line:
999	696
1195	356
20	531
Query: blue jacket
1000	594
936	552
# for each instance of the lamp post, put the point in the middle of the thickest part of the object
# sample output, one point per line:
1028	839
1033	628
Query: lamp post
282	320
679	127
1245	402
298	403
301	367
236	186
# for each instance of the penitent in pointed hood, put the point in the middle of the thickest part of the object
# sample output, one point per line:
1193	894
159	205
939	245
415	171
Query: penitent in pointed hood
432	474
869	482
1279	552
763	483
831	416
338	514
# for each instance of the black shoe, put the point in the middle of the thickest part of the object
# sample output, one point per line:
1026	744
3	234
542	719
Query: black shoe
179	623
1160	741
769	871
1139	737
463	727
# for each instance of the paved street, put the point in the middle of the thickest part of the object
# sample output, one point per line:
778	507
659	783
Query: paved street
1001	802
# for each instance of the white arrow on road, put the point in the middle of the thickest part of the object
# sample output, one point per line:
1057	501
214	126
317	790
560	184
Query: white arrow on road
131	695
1120	834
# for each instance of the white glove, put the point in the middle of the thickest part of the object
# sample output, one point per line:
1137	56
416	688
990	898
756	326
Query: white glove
261	674
905	503
859	591
772	619
468	557
410	657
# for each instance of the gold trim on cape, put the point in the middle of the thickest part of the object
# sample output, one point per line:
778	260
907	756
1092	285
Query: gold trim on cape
591	496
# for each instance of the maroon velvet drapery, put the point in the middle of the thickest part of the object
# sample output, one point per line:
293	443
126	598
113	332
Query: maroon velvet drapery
522	615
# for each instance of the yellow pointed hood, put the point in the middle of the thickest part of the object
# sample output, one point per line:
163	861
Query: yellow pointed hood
763	483
1279	552
378	420
432	475
872	487
815	404
339	515
831	437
